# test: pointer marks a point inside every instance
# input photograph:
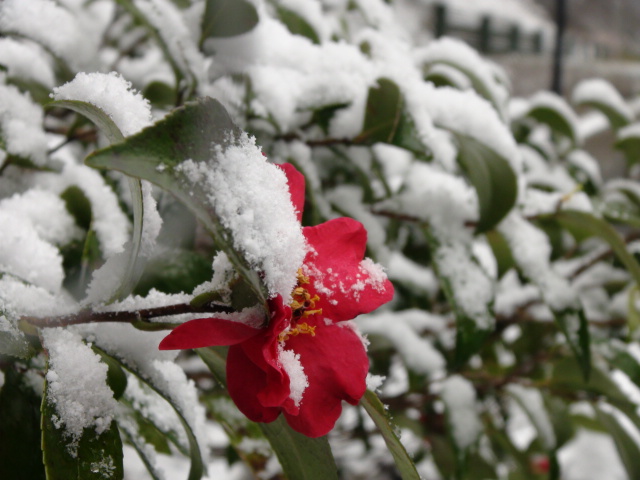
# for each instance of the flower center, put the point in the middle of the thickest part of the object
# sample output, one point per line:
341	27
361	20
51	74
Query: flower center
302	306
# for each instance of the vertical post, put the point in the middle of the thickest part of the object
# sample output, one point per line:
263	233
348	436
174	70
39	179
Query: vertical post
561	20
441	20
485	34
536	42
514	38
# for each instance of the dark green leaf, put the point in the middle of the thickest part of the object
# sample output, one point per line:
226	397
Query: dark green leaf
616	117
297	24
301	457
96	457
78	205
492	177
20	454
175	272
501	251
227	18
376	410
197	466
160	94
630	146
382	114
116	378
95	114
556	121
627	447
594	226
188	132
135	264
579	340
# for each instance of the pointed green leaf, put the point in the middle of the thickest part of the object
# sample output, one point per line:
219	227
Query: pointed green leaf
197	465
95	114
96	457
20	454
626	445
227	18
492	177
556	121
297	24
188	133
104	122
376	410
383	112
594	226
574	326
301	457
628	142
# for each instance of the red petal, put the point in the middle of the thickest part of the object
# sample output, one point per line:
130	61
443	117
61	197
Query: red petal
335	268
206	332
336	365
295	179
245	381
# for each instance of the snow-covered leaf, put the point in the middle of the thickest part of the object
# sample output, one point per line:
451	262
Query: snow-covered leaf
94	457
156	154
626	444
628	141
135	264
556	119
600	95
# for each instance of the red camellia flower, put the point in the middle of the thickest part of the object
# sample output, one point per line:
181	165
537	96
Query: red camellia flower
309	358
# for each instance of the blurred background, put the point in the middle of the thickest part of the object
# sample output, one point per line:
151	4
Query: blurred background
601	38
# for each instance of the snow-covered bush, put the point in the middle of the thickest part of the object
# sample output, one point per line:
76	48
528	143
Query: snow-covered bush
185	187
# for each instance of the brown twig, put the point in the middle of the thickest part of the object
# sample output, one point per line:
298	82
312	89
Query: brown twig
90	316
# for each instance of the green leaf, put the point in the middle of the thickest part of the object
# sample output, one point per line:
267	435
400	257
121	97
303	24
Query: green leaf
297	24
556	121
197	465
95	114
154	154
376	410
580	340
382	113
477	82
96	457
617	118
175	271
301	457
20	454
492	177
116	378
135	264
627	447
629	144
227	18
594	226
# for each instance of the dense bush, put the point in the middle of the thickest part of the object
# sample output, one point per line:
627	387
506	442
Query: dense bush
138	190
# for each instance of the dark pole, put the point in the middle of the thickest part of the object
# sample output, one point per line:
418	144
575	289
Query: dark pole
561	22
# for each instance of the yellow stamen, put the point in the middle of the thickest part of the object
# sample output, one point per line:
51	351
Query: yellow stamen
297	330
